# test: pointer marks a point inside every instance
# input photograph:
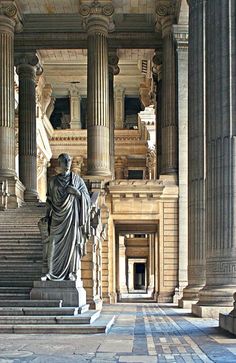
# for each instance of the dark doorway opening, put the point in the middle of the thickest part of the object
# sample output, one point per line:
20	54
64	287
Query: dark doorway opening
139	276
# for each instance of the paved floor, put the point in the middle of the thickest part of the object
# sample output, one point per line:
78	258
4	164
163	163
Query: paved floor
142	333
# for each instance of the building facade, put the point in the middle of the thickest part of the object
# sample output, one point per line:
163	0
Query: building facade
142	95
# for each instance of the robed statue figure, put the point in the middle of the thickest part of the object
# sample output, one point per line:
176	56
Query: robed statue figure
67	219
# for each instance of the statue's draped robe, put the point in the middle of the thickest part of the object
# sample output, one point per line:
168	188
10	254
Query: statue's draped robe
68	226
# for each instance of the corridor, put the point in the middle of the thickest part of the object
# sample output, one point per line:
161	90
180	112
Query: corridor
141	333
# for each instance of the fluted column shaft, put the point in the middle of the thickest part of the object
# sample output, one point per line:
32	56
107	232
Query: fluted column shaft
98	96
26	69
111	120
221	153
7	112
169	119
181	38
157	77
113	70
196	151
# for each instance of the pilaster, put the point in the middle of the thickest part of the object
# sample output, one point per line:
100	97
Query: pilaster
119	106
181	39
75	118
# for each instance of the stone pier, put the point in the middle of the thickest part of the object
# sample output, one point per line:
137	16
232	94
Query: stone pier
27	66
196	155
217	295
11	189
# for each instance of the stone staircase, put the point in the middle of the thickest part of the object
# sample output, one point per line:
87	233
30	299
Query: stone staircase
21	265
20	251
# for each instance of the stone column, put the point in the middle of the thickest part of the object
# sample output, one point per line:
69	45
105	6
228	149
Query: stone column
75	119
165	15
181	37
27	65
119	107
196	155
122	265
113	70
217	295
151	258
157	77
98	87
11	192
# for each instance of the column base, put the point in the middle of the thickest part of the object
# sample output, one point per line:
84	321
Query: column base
227	322
204	311
190	296
95	303
11	192
186	304
70	292
164	297
31	197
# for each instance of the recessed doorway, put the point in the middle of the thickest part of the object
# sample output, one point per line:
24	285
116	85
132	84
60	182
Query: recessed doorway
139	276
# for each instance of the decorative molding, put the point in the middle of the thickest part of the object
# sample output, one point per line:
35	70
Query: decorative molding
166	9
181	36
10	10
96	8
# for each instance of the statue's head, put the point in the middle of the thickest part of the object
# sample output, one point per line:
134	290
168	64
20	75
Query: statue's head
64	161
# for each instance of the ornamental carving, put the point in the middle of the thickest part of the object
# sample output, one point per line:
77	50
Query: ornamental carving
166	9
10	10
96	8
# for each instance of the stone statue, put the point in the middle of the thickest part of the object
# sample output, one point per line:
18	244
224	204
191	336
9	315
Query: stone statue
68	222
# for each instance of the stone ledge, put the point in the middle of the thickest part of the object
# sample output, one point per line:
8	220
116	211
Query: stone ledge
227	322
208	311
186	304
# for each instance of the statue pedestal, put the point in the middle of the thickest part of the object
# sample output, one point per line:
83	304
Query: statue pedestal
71	293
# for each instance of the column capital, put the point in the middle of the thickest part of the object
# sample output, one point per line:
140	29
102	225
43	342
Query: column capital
97	16
28	59
74	89
157	66
11	13
181	36
113	60
96	8
166	12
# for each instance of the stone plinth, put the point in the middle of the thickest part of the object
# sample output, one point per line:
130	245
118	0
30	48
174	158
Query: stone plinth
209	311
71	293
228	321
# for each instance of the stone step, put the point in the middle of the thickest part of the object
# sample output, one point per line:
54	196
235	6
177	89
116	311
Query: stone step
86	318
101	325
20	259
14	289
18	248
15	296
38	311
30	303
21	283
